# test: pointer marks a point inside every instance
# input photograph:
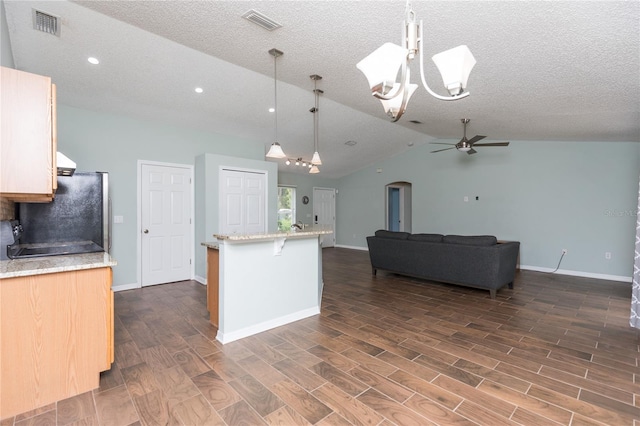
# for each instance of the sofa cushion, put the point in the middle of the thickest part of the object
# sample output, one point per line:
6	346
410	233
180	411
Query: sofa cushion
427	238
391	234
471	240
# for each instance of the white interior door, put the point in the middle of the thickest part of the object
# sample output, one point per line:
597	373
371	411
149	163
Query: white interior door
242	202
324	213
165	218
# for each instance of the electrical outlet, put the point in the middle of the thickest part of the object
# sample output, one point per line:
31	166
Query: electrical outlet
607	255
564	251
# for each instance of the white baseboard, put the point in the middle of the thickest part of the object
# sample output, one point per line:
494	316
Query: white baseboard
579	274
352	247
200	279
267	325
123	287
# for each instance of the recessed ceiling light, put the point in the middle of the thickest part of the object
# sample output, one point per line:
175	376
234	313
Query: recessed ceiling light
93	61
272	110
199	90
350	143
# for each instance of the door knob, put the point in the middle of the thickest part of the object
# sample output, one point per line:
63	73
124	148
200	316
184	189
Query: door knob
146	231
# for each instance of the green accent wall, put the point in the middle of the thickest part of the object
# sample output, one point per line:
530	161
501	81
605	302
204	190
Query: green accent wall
114	144
579	196
304	184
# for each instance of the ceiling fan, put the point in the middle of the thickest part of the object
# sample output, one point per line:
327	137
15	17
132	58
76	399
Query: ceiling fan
467	145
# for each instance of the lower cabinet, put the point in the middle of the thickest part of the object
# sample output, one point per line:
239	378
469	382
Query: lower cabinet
213	286
56	336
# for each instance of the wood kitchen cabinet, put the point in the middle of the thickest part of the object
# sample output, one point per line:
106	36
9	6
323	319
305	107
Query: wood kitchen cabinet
56	336
29	136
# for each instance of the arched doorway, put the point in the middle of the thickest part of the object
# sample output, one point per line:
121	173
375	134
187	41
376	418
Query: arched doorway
398	206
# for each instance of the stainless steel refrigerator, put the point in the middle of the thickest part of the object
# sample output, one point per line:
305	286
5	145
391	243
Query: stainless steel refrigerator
76	221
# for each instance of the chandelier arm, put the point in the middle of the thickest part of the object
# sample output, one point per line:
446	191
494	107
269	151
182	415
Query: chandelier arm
403	106
389	96
424	81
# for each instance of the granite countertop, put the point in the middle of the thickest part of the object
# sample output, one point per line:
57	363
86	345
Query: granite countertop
305	233
52	264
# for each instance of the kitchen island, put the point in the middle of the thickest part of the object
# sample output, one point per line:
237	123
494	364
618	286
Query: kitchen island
56	328
258	282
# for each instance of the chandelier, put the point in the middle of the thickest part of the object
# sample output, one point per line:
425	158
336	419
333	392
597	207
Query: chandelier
383	65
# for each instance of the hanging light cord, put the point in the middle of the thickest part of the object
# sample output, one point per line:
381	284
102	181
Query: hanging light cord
275	93
315	117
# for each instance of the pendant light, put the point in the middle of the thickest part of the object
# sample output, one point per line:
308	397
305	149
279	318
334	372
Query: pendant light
315	160
275	151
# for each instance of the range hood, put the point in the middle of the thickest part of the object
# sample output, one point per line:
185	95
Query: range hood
66	167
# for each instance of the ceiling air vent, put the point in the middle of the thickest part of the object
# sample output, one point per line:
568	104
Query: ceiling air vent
45	23
261	20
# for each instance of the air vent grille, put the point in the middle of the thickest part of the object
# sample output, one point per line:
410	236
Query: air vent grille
261	20
45	23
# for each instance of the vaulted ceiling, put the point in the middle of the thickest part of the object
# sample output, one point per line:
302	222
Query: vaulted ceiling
546	70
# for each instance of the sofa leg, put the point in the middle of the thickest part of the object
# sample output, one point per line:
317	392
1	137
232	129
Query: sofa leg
511	285
374	271
492	293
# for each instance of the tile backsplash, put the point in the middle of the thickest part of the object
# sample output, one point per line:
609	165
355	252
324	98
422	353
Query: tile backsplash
7	209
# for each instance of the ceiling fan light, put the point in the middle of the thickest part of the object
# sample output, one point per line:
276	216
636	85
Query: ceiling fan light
314	169
464	148
275	151
382	65
315	160
455	66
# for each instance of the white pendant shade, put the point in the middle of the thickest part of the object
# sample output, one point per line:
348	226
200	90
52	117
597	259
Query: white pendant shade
315	160
314	169
382	64
392	106
455	65
276	151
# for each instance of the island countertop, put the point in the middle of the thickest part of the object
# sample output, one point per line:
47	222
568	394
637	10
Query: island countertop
306	233
52	264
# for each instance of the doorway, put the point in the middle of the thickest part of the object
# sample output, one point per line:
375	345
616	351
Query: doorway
324	213
398	206
166	230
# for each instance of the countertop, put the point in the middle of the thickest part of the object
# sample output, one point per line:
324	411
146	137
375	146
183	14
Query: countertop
51	264
306	233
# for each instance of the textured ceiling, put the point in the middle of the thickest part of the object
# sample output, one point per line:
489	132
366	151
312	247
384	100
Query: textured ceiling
546	70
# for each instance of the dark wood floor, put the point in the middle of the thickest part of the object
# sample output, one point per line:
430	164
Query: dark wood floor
385	350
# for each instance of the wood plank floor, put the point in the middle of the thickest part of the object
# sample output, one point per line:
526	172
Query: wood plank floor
555	350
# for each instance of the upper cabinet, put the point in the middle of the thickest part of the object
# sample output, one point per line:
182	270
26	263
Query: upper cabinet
28	145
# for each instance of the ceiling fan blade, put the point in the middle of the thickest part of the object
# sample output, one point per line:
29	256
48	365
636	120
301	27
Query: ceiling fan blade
475	139
445	149
442	143
471	151
493	144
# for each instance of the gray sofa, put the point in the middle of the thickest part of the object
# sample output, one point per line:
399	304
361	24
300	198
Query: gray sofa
475	261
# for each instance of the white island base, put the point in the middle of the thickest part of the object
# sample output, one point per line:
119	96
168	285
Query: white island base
262	281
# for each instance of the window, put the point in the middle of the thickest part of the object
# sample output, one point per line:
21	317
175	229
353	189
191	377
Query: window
286	207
